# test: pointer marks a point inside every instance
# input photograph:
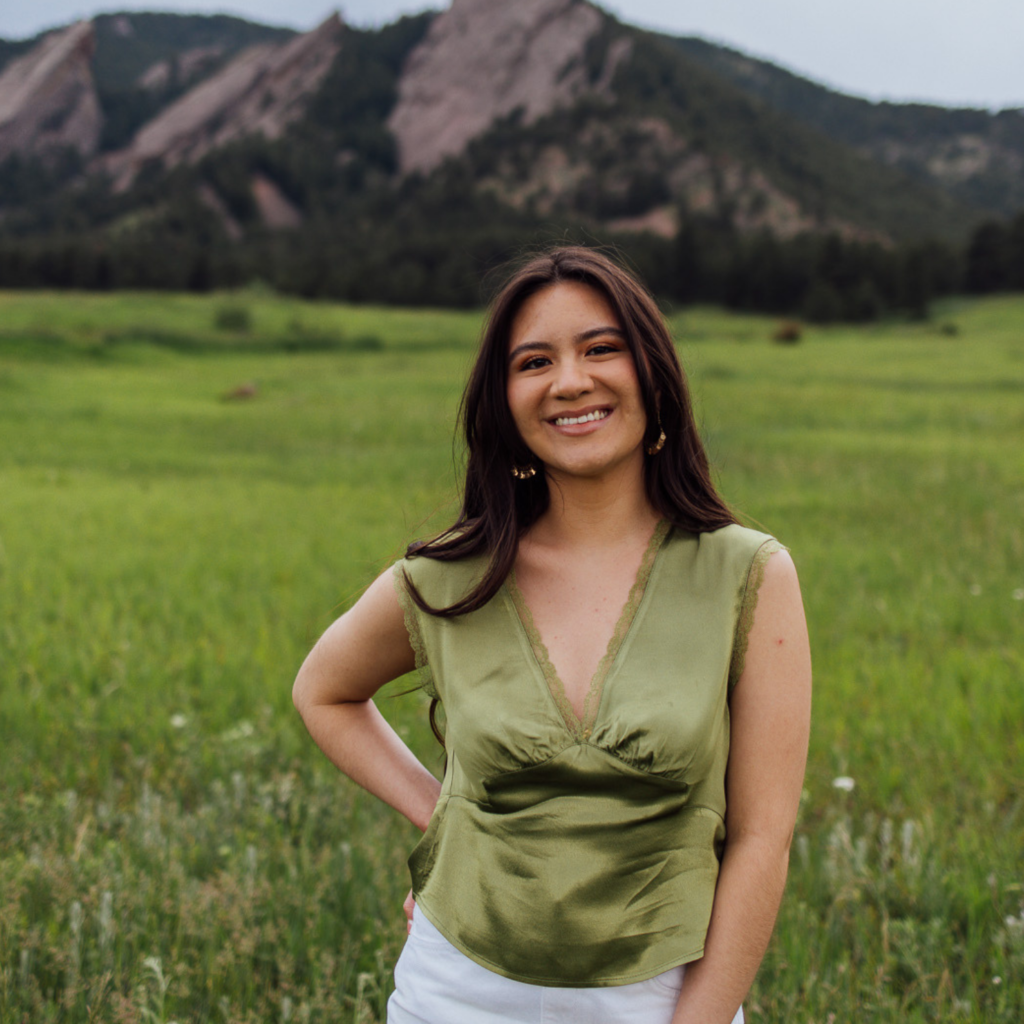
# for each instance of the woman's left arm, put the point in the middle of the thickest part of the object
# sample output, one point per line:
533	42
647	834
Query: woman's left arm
770	709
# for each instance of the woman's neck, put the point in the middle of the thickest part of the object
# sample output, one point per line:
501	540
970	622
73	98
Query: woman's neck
595	513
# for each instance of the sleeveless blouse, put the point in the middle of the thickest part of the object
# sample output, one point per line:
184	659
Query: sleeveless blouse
580	853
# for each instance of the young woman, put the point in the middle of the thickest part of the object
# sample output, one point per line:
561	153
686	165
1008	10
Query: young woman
626	682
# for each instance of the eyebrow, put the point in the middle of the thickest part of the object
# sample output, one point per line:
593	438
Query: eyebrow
546	346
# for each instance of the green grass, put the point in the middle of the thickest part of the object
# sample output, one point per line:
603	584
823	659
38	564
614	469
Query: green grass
173	847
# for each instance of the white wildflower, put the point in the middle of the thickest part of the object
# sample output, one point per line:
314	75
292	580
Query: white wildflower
908	844
178	721
242	731
845	783
75	920
106	918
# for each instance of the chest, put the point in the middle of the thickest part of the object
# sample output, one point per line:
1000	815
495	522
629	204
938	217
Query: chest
656	700
574	611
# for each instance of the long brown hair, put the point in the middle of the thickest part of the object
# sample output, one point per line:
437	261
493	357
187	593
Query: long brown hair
497	509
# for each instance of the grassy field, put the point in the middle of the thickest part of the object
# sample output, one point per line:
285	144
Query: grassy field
173	847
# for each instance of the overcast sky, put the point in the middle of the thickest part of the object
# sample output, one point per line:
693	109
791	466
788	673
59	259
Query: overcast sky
962	54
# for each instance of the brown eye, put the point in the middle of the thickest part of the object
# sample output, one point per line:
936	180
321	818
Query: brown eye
534	363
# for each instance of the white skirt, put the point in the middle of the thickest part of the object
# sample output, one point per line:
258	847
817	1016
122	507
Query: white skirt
437	984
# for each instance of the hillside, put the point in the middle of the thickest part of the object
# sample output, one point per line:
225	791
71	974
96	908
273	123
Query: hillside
398	164
674	140
144	61
974	155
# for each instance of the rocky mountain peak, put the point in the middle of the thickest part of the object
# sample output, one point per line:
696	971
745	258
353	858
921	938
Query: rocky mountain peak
48	96
261	92
484	59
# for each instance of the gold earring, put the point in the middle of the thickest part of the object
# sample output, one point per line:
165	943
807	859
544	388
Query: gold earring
660	443
524	474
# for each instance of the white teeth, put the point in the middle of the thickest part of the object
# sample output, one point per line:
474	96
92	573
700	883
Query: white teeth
569	421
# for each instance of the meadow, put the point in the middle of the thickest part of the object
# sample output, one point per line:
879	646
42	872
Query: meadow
192	488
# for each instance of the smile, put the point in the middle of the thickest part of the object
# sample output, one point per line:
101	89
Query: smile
591	417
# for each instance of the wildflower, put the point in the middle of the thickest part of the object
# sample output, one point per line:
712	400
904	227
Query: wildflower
242	731
845	783
908	834
997	980
178	721
106	917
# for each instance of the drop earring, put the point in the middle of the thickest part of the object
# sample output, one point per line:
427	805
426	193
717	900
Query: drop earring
653	449
524	473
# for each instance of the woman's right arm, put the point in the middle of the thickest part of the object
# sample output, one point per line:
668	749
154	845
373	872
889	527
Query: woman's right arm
364	649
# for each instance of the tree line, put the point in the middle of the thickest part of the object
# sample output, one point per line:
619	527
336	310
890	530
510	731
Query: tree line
422	252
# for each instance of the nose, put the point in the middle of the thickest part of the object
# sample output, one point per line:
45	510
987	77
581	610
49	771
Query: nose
572	379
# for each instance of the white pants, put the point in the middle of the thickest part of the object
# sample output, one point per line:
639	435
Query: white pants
437	984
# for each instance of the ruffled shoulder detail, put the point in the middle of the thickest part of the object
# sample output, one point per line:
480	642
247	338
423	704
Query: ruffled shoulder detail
748	605
412	625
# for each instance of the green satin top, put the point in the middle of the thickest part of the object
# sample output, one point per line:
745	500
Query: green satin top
584	853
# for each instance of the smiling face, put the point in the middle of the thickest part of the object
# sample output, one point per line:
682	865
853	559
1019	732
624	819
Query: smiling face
572	384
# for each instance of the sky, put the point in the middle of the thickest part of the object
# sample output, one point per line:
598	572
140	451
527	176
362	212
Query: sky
954	54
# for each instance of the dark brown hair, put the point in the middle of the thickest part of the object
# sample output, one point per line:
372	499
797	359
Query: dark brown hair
497	509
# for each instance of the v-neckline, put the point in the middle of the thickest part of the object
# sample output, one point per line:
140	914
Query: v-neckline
580	728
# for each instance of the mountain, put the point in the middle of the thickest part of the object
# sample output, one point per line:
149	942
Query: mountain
481	61
975	156
561	106
397	164
48	97
144	61
260	92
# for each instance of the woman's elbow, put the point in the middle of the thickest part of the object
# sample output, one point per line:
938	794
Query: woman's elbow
303	689
299	696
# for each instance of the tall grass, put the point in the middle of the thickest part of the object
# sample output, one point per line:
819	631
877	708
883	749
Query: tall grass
172	847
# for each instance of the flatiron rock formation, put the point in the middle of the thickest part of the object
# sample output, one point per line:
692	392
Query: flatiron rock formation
48	97
260	92
179	69
484	59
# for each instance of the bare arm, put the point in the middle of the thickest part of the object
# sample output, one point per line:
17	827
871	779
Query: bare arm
770	713
364	649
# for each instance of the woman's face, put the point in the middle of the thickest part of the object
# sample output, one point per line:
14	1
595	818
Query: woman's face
572	384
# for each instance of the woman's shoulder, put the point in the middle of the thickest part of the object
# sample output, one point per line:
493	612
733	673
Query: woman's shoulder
439	581
742	539
733	539
730	552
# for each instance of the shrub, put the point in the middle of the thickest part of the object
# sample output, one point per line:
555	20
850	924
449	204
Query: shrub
789	332
233	318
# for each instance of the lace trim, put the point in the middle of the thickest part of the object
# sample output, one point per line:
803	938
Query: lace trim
748	605
412	626
580	728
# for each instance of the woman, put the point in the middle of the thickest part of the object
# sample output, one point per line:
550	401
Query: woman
606	642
